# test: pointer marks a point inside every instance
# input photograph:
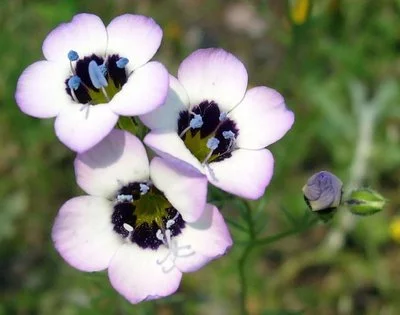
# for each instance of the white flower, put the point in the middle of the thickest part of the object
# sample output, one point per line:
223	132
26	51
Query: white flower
210	123
92	74
146	224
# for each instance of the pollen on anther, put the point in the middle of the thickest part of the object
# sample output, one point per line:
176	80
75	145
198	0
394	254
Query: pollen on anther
73	55
124	198
196	122
144	189
122	62
74	82
128	227
212	143
223	116
228	134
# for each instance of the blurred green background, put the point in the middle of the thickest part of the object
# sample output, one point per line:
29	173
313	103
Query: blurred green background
337	64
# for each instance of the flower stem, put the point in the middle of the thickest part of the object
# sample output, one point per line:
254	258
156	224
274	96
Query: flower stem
244	257
254	242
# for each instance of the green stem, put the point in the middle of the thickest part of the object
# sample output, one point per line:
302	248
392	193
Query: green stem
244	257
253	242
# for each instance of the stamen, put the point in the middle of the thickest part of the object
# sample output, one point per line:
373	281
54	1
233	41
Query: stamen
228	134
96	76
122	62
73	55
124	198
128	227
144	189
223	116
103	69
160	236
196	122
171	222
105	94
74	82
212	143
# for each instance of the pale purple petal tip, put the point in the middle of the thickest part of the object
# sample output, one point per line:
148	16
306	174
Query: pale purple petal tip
83	233
214	75
246	173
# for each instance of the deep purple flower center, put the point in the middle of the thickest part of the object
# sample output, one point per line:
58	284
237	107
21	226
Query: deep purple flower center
85	92
207	132
139	214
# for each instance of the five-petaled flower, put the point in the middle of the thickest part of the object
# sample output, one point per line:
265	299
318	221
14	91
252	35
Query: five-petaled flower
146	223
92	74
210	123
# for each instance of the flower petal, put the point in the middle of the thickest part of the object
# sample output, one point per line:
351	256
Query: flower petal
116	161
262	118
246	173
135	37
135	273
166	116
146	89
185	190
85	34
80	127
41	89
214	75
169	146
83	233
208	238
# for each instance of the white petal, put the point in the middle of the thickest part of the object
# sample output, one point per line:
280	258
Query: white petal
169	146
262	118
116	161
80	127
185	190
135	37
136	275
85	34
145	90
208	238
246	173
83	233
166	116
41	89
214	75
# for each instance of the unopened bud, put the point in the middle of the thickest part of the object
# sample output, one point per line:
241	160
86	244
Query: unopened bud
323	194
365	201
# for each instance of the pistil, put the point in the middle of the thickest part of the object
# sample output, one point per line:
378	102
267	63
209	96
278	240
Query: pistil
96	74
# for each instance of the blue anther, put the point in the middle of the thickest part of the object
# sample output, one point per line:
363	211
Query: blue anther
103	69
196	121
124	198
212	143
96	75
74	82
228	134
73	55
143	189
122	62
223	116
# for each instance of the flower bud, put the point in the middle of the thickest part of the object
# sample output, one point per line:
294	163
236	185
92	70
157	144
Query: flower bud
323	194
323	191
365	201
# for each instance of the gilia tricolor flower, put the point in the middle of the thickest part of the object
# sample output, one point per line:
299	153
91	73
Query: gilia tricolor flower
210	122
146	224
92	74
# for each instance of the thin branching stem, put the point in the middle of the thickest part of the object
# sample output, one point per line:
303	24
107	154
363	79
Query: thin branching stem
248	216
